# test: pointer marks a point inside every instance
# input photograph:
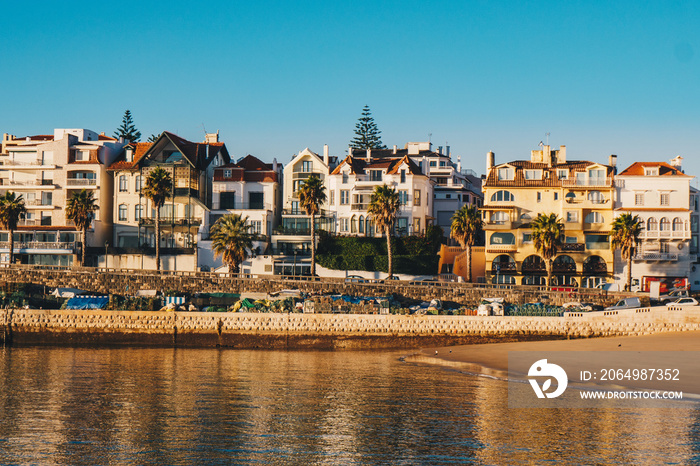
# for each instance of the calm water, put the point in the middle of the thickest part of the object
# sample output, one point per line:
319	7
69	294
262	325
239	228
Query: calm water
189	406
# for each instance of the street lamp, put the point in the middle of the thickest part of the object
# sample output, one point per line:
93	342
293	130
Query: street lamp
294	267
106	247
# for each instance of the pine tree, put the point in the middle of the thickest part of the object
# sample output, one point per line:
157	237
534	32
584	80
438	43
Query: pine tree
127	130
367	135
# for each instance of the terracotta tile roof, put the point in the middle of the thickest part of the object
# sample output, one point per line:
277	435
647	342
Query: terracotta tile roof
547	181
652	209
359	165
637	169
140	149
103	137
247	169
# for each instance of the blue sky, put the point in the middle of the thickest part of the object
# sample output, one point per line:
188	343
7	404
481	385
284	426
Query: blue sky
275	77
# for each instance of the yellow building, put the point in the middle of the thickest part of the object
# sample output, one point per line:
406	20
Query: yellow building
579	192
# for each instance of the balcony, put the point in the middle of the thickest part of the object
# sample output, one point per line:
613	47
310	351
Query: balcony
587	182
655	256
68	246
499	248
597	268
302	212
243	206
500	225
171	221
30	184
564	267
362	207
572	247
302	175
23	164
656	234
82	182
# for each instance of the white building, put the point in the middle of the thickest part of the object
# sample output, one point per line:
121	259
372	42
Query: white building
350	186
659	193
46	170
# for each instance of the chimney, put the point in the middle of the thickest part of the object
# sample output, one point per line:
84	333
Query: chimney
459	163
350	150
677	162
490	161
326	158
395	149
547	154
6	137
439	151
613	163
447	151
369	155
426	166
561	156
122	140
274	165
211	137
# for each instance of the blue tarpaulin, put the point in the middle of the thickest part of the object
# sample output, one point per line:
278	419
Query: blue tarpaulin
87	302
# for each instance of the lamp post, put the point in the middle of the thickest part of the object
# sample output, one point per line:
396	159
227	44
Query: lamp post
106	248
294	267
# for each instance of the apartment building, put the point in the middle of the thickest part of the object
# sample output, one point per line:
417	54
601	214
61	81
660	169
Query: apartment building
351	184
46	170
182	219
250	188
660	194
580	192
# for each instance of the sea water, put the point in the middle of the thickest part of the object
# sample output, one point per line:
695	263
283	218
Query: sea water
220	406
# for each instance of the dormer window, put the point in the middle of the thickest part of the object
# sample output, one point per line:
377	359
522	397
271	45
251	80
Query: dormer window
651	171
562	174
375	175
533	174
129	154
227	173
505	173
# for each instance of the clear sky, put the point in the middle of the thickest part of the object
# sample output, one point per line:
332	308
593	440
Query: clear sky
275	77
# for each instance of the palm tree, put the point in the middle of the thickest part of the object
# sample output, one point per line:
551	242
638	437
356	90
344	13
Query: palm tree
625	232
11	209
231	240
466	227
383	207
311	195
546	234
80	208
159	186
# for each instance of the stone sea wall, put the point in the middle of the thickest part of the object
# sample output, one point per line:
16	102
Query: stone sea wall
324	331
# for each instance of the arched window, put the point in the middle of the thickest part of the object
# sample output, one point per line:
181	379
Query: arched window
123	212
353	225
502	238
596	197
123	184
664	224
677	224
499	218
361	224
594	217
502	196
570	197
651	224
525	217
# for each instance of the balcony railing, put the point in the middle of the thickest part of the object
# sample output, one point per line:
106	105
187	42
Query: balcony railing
503	267
184	221
651	234
573	247
596	268
300	211
534	268
243	206
655	256
24	163
68	246
587	182
81	182
30	183
501	248
566	267
37	202
359	206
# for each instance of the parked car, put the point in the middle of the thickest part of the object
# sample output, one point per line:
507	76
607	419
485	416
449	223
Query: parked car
673	296
424	281
626	303
354	279
683	302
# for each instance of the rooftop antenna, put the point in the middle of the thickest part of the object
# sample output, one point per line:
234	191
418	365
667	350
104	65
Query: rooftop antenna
547	134
205	130
430	137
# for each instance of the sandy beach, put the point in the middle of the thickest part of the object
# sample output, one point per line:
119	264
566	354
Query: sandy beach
492	359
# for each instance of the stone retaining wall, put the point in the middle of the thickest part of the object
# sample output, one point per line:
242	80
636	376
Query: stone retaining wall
128	282
293	331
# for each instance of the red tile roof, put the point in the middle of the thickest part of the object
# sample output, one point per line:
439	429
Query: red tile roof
140	149
547	181
360	165
637	169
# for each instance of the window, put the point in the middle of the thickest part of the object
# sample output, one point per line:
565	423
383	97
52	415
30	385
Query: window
375	175
505	173
122	212
651	171
652	225
295	207
47	198
539	196
499	218
664	224
403	176
361	224
256	201
664	199
123	184
345	178
502	196
527	237
596	177
562	174
139	183
129	154
594	217
571	216
596	197
639	199
256	227
353	225
82	155
533	174
502	238
138	212
227	200
403	197
416	197
331	199
556	196
597	242
306	166
570	239
401	225
570	197
416	226
344	224
433	163
344	197
677	224
227	173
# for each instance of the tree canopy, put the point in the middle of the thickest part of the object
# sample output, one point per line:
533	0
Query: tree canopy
367	134
128	130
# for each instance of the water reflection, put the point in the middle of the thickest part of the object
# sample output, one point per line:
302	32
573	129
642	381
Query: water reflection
184	406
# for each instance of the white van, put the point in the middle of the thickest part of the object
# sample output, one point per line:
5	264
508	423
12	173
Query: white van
626	303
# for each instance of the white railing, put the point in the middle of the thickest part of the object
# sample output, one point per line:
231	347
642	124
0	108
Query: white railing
39	245
665	234
587	182
81	182
656	256
24	163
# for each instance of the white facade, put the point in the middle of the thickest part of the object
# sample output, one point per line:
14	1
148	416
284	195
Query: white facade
660	195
